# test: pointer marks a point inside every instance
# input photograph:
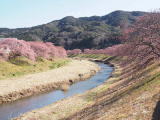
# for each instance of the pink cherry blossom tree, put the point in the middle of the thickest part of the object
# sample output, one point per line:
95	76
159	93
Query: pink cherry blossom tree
12	47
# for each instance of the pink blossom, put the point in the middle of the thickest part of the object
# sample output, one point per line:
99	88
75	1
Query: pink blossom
12	47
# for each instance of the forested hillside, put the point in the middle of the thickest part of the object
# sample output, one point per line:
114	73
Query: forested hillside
86	32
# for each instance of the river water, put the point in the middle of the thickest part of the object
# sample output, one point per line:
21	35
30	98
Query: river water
16	108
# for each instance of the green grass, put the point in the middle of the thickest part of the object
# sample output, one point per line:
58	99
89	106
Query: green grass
23	66
94	56
58	63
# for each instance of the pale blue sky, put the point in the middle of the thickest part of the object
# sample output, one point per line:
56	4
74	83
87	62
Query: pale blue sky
26	13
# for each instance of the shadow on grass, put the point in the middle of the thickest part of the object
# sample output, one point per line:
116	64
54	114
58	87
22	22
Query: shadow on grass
156	113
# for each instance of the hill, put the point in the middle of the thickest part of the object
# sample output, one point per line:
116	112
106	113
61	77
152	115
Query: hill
85	32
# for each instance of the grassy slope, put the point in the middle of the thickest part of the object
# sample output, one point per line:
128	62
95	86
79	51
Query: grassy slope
139	99
22	66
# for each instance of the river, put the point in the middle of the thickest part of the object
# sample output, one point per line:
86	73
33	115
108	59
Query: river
16	108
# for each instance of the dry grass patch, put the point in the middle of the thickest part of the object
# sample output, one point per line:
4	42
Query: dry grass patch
140	101
20	87
23	66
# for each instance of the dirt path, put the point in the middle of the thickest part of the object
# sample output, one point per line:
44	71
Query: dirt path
61	78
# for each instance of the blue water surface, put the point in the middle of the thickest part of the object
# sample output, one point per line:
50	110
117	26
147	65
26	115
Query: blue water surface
14	109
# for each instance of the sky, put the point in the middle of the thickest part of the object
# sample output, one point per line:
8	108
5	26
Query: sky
27	13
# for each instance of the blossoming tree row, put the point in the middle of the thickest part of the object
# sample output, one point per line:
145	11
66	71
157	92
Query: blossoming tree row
12	47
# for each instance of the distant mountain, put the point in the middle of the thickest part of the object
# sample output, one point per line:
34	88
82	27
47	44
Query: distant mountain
84	32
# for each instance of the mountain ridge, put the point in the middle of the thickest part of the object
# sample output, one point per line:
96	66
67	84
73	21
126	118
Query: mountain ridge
84	32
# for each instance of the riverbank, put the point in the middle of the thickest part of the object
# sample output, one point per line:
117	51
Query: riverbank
122	97
60	78
131	98
66	107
